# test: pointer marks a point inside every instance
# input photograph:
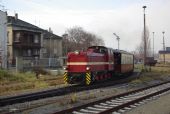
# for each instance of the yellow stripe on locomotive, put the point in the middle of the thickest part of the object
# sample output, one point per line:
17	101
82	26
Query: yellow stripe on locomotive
88	78
65	77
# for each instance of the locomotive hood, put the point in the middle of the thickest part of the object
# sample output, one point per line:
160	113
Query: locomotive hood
77	61
83	61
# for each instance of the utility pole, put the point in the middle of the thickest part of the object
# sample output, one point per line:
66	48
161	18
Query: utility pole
118	38
153	43
50	52
65	37
144	38
163	47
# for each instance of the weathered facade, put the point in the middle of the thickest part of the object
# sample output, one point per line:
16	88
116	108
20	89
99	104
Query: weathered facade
3	39
52	45
24	40
32	45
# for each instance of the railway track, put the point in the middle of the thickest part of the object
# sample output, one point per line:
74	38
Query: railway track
59	91
120	103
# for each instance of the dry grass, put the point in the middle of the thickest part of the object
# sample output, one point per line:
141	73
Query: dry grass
73	97
11	83
159	69
156	73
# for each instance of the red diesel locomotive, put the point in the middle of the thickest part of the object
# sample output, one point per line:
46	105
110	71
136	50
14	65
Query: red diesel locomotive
97	63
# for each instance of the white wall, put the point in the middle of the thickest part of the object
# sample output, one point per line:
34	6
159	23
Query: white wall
3	38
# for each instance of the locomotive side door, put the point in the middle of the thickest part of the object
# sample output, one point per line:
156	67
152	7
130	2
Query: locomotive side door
117	62
110	60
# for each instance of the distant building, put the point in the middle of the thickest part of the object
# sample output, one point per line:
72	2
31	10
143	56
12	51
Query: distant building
167	48
3	39
52	45
166	53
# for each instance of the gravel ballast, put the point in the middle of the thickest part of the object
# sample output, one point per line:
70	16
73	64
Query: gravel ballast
158	106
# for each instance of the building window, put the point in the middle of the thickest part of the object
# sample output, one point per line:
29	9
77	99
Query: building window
36	52
55	51
8	37
24	53
36	39
44	50
31	38
29	52
17	37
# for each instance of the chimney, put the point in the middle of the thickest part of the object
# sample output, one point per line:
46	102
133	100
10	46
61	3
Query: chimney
50	30
16	16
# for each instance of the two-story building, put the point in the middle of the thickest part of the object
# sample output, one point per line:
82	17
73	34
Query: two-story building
29	41
24	39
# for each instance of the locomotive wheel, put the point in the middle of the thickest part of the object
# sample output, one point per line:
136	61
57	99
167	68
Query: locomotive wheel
94	76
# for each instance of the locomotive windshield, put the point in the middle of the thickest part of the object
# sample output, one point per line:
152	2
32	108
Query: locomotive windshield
97	49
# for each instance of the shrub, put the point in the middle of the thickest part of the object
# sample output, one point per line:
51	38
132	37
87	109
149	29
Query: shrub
4	74
27	76
73	98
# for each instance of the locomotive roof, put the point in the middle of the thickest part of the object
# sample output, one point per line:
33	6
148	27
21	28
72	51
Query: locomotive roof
98	46
115	50
121	51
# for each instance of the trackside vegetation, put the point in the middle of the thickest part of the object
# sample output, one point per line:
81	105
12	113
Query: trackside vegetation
158	72
12	82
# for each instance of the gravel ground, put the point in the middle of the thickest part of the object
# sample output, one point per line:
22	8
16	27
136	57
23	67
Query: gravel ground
158	106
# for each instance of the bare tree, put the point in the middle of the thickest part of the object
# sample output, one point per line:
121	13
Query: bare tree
140	47
77	38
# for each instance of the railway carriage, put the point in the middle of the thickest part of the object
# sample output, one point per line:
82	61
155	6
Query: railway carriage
124	62
97	63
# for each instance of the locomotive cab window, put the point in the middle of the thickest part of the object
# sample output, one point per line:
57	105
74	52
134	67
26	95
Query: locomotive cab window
97	49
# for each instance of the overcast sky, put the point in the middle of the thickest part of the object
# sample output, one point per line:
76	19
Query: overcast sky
102	17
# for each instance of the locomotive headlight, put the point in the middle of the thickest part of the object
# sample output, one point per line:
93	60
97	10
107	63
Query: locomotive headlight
87	68
65	68
76	52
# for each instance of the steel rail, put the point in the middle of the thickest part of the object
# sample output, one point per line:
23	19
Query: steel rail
133	102
109	110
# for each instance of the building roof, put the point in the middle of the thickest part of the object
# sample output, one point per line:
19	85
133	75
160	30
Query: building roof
48	35
20	23
12	20
164	52
167	48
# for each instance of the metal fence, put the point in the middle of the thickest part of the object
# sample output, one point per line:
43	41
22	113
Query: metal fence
23	64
